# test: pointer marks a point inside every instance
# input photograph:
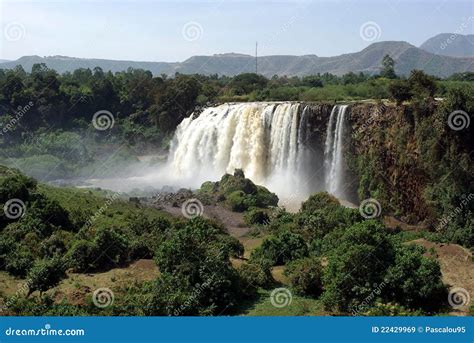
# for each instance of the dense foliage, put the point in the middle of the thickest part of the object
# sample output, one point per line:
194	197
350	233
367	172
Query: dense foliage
46	118
238	194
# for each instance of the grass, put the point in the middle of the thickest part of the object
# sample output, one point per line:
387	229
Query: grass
92	201
299	306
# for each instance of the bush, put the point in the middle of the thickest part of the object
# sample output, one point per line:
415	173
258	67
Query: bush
421	84
400	91
230	246
81	255
255	216
305	276
255	275
56	244
322	213
239	201
356	266
197	277
45	274
280	249
415	280
19	261
112	248
367	265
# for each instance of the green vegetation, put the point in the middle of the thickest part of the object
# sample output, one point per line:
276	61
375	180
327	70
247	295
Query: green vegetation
147	109
330	257
334	259
238	194
419	136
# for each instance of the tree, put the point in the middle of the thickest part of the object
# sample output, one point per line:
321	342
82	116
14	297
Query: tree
422	85
247	82
388	67
400	91
45	274
357	265
196	274
285	246
305	276
414	280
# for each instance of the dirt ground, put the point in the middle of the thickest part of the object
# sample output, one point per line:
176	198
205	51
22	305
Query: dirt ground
457	267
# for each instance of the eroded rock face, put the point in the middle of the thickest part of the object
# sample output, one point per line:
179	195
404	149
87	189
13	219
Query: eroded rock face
385	159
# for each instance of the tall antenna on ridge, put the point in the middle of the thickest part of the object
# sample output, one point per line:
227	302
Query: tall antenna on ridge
256	58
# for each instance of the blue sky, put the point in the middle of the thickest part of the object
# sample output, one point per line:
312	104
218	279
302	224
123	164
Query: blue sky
147	30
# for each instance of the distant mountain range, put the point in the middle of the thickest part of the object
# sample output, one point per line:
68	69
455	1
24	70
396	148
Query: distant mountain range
450	44
406	56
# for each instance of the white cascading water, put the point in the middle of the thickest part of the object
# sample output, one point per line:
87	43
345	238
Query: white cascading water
272	143
333	152
266	140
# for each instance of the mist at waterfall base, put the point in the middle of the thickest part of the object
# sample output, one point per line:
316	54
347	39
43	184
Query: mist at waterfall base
271	142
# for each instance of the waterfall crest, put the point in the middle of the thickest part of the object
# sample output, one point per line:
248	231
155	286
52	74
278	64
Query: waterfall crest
333	152
274	144
266	140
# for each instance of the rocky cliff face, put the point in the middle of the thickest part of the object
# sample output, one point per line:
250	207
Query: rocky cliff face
410	159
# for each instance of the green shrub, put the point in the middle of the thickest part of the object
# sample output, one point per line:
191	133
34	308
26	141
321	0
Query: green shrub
281	248
45	274
112	248
81	255
390	310
356	266
196	275
305	276
322	213
230	246
255	275
256	216
415	280
19	261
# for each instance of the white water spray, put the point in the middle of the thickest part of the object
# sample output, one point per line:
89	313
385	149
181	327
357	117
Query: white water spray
266	140
333	152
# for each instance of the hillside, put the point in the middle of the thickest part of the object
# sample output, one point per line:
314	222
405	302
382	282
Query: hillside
450	44
368	60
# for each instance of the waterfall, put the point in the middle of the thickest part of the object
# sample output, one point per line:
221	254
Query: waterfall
266	140
333	152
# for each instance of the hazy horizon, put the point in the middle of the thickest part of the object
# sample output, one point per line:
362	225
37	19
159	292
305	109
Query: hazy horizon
165	31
